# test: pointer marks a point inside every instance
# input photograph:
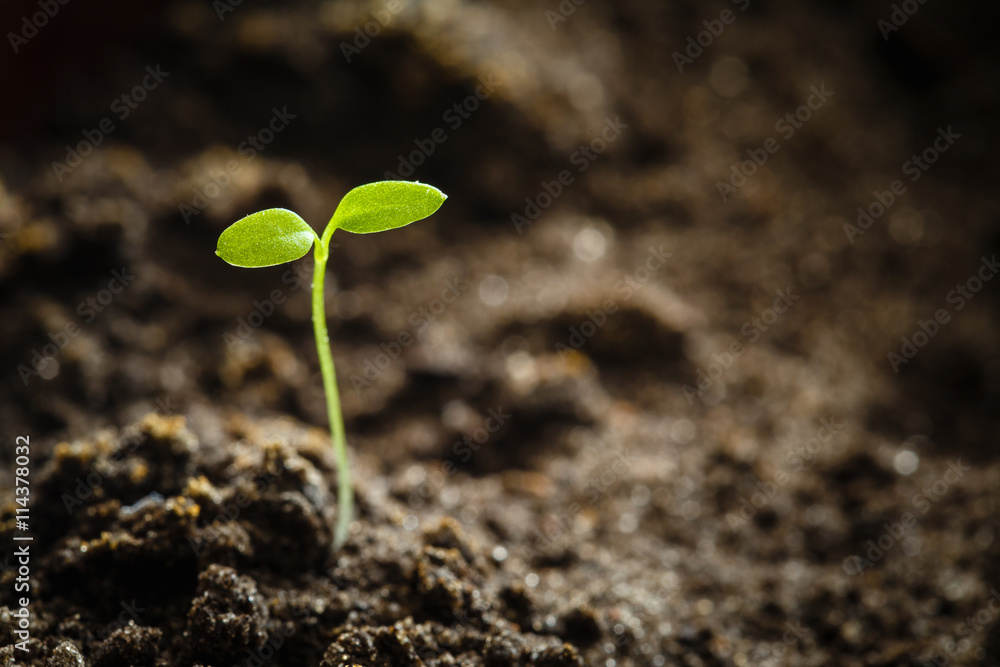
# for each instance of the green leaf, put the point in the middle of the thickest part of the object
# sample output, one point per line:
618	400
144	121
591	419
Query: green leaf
266	238
376	207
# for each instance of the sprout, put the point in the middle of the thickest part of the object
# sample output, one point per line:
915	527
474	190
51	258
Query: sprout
277	235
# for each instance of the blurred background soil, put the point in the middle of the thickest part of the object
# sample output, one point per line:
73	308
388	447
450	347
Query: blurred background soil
602	443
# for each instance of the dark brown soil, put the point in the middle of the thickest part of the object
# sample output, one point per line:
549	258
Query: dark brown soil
606	445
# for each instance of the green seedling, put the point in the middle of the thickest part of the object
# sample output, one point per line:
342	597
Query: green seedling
276	236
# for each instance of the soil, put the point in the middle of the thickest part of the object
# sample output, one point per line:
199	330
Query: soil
666	402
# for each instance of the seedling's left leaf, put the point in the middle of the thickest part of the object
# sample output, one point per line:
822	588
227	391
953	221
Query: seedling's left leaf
266	238
376	207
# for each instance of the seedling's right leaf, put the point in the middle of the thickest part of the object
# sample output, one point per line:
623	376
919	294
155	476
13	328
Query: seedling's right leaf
266	238
376	207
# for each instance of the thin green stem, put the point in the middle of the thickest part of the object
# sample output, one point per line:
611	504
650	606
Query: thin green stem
345	493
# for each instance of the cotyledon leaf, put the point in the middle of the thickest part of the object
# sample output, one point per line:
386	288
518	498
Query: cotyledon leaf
266	238
383	205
